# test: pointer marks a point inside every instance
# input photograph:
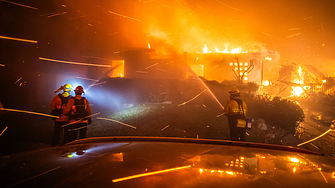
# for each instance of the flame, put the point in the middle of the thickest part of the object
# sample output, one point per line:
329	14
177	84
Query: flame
205	49
294	170
268	58
295	160
266	83
235	50
226	50
148	45
297	91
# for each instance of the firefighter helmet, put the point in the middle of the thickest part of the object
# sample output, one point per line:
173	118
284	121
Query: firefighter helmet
79	89
67	88
234	91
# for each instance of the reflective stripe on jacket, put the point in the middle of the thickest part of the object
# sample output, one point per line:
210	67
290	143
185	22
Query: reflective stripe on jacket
232	107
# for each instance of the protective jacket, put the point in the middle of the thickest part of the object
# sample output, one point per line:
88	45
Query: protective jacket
236	110
78	108
57	105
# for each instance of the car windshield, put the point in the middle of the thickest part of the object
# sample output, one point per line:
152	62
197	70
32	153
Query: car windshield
251	71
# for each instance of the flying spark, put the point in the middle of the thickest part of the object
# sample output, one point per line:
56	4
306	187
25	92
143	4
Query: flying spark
161	70
2	65
77	17
23	40
150	173
20	4
57	14
293	29
97	58
18	80
117	122
266	34
165	127
75	63
3	131
322	27
124	16
314	146
97	84
214	67
293	35
142	72
77	128
28	112
34	176
80	119
148	1
87	79
228	6
192	98
151	66
220	115
307	18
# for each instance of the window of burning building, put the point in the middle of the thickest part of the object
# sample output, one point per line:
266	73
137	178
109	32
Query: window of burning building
118	69
198	69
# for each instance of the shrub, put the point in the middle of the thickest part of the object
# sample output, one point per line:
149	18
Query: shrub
276	111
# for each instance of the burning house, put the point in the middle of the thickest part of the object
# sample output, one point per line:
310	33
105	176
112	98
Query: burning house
303	80
219	65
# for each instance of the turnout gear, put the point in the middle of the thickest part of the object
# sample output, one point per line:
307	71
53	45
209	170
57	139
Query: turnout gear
78	109
237	115
57	105
236	111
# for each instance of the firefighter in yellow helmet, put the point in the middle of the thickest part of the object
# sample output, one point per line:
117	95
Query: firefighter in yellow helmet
236	111
57	105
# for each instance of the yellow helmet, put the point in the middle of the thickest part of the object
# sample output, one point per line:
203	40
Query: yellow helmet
67	88
234	91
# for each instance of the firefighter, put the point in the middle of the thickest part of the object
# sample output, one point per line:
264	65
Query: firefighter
57	105
236	111
79	112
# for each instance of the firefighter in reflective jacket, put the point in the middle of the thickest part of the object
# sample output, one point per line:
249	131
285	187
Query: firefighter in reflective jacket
79	112
236	111
57	105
